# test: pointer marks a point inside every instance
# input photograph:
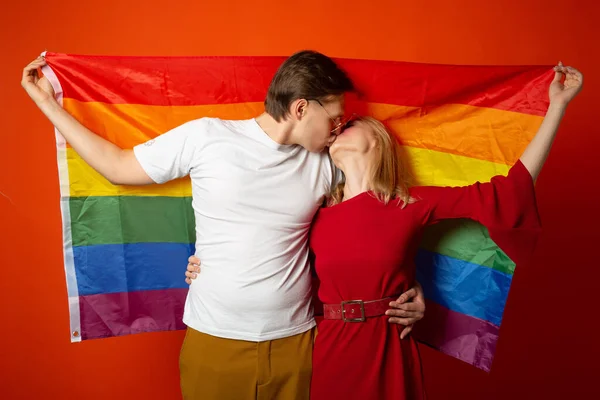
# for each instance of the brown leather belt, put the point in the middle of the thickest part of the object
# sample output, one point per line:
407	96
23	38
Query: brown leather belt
357	310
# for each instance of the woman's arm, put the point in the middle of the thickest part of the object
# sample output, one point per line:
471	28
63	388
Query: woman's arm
561	92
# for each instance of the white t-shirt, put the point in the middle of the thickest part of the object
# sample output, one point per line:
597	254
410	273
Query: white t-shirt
254	201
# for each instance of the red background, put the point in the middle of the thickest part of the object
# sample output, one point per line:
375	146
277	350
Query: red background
548	347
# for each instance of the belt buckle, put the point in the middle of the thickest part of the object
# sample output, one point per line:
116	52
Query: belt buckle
362	317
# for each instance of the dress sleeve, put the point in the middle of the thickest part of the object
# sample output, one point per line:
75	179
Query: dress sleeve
506	206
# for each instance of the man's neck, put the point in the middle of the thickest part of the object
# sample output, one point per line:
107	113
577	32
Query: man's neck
279	132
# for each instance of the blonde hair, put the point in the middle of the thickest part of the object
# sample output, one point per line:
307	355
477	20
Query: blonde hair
389	178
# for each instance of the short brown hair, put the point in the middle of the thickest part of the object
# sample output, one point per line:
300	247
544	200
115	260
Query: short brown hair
305	75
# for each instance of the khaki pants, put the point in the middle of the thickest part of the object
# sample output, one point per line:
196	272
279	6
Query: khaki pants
213	368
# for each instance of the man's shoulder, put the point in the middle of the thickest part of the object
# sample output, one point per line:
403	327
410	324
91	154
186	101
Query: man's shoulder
218	124
201	123
207	126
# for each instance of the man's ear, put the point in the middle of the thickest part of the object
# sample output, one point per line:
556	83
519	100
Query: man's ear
298	108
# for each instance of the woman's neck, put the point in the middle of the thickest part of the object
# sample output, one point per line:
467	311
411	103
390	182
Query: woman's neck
358	177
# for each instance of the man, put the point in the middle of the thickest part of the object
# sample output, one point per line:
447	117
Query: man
256	185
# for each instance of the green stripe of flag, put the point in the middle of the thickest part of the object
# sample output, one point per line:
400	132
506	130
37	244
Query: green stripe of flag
468	241
131	219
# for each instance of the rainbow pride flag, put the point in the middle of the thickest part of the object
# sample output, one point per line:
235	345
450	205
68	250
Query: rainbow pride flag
126	248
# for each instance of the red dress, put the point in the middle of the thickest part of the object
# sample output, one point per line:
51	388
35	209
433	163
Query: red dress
365	249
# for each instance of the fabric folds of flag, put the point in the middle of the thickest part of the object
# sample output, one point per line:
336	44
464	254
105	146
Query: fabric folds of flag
125	248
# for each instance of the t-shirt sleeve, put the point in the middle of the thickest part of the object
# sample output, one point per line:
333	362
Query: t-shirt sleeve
506	206
172	154
333	176
338	176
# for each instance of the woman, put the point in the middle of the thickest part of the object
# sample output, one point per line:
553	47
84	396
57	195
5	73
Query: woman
366	238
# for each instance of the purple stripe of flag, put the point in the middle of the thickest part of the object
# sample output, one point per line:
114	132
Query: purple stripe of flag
118	314
467	338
